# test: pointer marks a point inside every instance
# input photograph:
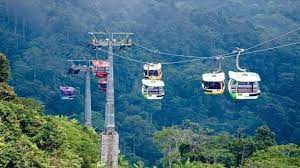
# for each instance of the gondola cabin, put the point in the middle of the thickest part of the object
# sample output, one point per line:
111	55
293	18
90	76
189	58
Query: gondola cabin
101	68
213	83
153	89
73	70
67	93
102	84
244	85
152	71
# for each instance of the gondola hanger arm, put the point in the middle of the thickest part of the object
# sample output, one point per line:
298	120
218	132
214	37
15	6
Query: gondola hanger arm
239	51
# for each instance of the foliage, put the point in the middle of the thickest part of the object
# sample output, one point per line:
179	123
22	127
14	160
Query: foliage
4	68
264	137
30	139
189	164
276	157
40	36
169	141
6	92
123	163
186	147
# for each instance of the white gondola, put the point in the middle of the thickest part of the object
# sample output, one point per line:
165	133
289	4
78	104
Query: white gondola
244	85
153	89
213	83
152	71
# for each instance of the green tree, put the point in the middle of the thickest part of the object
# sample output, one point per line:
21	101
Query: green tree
30	139
6	92
264	137
275	157
169	140
4	68
214	150
189	164
123	163
242	148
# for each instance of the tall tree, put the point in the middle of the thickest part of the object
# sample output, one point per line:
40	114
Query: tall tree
276	157
264	137
4	68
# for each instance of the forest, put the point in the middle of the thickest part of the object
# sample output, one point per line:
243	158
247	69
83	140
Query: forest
185	129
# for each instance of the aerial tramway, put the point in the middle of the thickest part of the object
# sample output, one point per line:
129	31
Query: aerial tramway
242	85
100	69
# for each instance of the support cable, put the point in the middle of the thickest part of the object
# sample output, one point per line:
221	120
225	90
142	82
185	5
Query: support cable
271	48
127	58
275	38
204	58
226	54
171	54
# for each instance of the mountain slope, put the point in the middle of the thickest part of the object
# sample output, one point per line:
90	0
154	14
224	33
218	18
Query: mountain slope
31	139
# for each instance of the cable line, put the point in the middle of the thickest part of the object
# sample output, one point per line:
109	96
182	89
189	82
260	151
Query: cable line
234	54
165	63
272	48
171	54
275	38
164	53
225	54
204	58
130	59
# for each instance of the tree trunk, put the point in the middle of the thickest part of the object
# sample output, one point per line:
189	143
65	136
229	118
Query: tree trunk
243	156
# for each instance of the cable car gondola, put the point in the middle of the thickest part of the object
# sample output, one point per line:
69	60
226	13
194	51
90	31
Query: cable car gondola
243	85
153	89
101	68
73	70
67	93
152	71
214	83
102	84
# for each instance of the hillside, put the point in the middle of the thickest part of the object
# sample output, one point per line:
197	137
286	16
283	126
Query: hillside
40	36
190	146
28	138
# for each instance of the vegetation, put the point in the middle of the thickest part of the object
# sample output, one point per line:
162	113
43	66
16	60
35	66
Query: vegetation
40	36
4	69
276	157
188	145
31	139
6	92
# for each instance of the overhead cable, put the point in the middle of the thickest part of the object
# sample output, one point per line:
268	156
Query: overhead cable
226	54
275	38
204	58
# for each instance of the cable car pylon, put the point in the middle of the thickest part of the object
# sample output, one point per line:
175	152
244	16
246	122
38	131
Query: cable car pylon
110	137
84	65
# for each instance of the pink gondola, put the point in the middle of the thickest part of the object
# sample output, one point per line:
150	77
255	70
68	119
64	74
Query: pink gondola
67	93
101	68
